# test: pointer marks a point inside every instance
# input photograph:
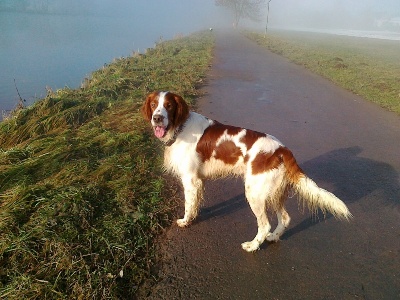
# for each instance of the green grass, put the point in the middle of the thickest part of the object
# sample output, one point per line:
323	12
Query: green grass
367	67
81	183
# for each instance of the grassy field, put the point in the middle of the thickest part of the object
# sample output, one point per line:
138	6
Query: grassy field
80	179
367	67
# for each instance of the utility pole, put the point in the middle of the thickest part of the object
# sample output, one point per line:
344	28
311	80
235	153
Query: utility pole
266	26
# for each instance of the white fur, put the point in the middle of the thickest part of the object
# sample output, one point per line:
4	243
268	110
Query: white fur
181	158
160	110
317	198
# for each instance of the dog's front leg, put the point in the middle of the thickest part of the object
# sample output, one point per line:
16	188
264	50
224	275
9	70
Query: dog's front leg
193	188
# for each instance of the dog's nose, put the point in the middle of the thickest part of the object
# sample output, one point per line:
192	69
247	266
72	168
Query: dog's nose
158	118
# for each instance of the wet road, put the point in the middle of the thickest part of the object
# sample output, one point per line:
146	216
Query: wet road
347	145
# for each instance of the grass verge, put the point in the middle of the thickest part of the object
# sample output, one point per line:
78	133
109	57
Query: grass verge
80	179
367	67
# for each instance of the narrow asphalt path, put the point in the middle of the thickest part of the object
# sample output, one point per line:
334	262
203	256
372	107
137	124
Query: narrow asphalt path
347	145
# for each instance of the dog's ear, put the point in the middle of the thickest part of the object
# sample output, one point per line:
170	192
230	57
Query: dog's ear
182	110
146	109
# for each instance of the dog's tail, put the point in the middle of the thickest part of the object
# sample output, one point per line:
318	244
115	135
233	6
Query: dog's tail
309	193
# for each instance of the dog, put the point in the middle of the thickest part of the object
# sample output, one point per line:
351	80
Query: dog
198	148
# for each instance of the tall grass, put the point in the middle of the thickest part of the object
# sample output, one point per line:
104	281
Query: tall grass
367	67
80	181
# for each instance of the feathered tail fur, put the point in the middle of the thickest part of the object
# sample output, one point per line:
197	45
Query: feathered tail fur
317	198
309	193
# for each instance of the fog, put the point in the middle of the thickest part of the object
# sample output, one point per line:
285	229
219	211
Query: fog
183	15
335	14
317	14
290	14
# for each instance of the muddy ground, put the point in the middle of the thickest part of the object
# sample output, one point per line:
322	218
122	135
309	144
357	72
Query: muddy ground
347	145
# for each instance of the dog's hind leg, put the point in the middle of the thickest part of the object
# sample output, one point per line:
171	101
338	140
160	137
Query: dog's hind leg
283	223
193	188
256	199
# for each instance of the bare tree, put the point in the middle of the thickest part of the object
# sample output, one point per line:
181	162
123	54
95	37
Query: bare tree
247	9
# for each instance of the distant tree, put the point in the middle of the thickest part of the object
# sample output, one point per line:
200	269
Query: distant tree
247	9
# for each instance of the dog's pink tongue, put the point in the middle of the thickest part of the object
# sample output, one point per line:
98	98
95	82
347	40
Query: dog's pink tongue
159	131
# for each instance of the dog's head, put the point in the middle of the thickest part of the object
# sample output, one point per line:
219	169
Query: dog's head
166	112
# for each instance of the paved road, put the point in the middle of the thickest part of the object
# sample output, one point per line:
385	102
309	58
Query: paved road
347	145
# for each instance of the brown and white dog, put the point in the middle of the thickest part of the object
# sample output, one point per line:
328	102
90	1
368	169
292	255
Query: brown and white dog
198	148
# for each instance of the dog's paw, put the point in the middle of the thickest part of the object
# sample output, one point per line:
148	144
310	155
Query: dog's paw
250	246
273	238
182	223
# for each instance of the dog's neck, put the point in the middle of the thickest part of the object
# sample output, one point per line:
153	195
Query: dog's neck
177	131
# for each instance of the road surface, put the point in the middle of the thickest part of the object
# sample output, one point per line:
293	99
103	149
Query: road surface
347	145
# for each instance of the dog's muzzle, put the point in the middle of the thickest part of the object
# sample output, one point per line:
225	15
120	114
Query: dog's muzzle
160	130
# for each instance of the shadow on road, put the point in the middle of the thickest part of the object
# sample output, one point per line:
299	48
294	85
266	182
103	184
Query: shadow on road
355	177
224	208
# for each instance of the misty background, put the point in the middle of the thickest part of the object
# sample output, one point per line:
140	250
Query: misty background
57	43
336	14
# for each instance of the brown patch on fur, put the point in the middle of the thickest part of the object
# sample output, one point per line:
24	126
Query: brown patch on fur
178	110
208	140
147	110
251	137
264	162
232	130
293	171
228	152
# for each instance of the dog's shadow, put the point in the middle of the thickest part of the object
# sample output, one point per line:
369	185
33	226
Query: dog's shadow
224	208
352	178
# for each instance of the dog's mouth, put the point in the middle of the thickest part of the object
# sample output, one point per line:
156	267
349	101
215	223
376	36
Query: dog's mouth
160	131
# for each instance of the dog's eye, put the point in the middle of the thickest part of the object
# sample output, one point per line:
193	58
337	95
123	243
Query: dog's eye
152	105
168	105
